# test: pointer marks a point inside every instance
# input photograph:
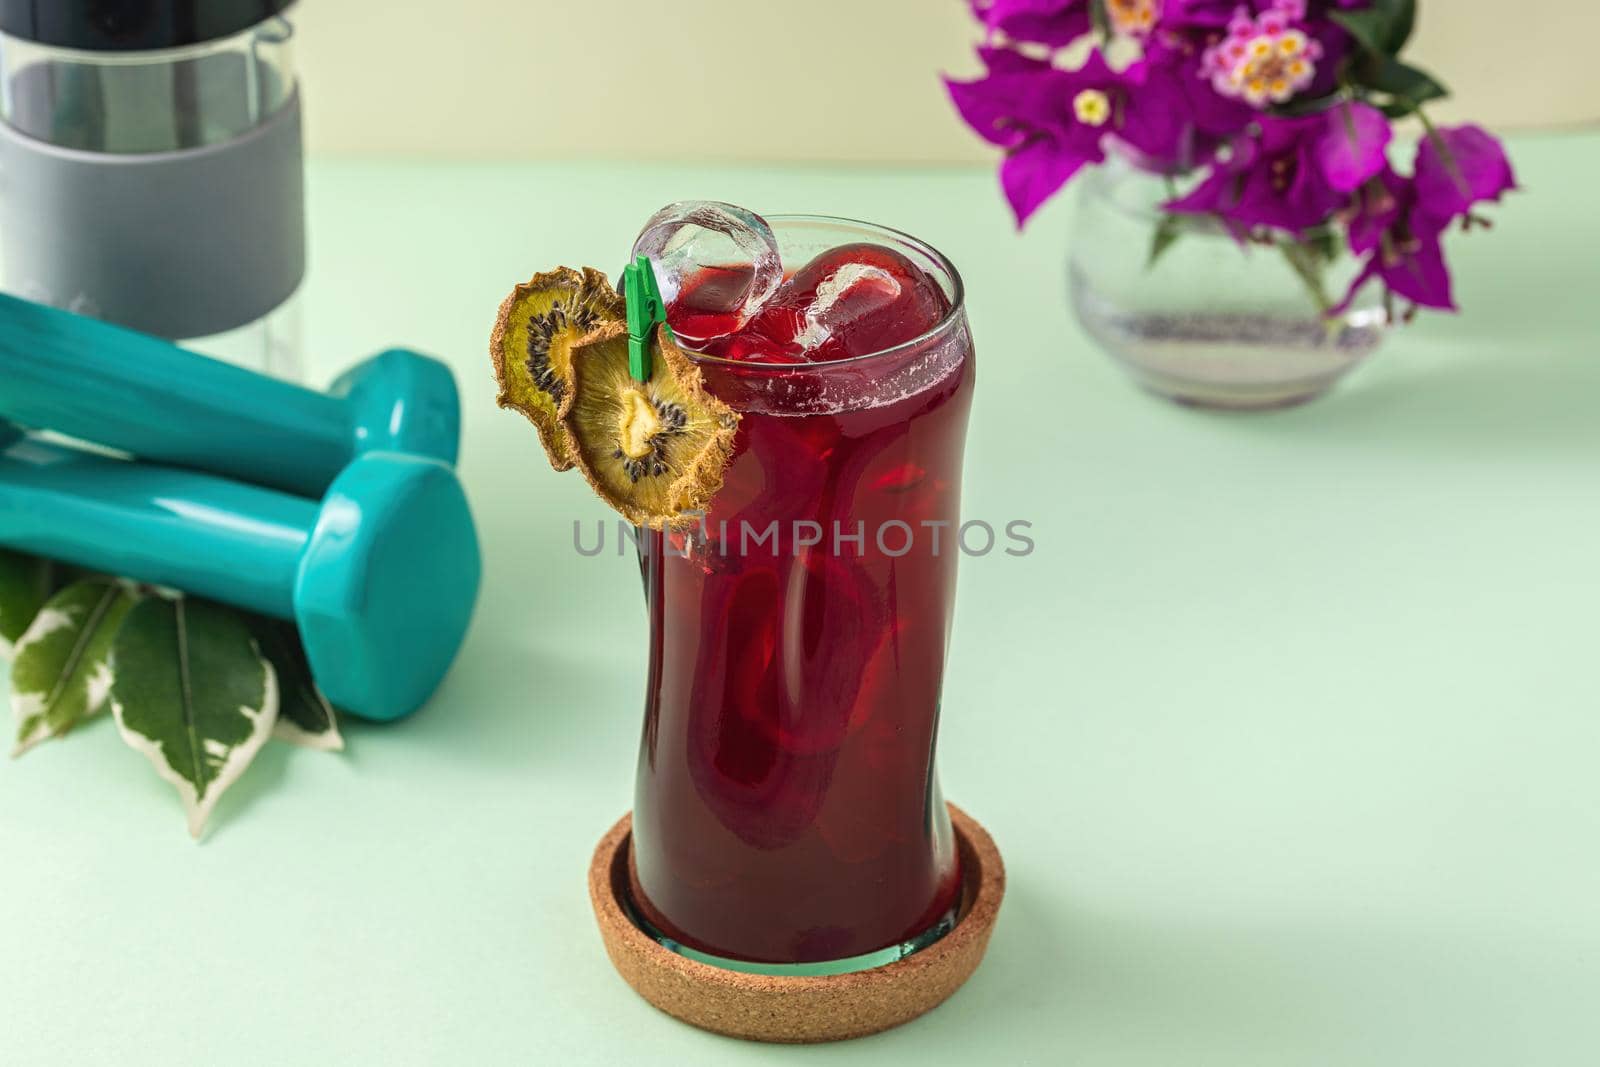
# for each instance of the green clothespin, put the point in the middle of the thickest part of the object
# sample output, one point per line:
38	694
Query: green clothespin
646	309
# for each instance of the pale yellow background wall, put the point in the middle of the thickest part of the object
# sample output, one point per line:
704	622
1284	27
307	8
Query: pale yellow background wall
781	79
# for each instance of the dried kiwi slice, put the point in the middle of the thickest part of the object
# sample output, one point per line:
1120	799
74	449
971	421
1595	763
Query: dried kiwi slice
532	344
653	450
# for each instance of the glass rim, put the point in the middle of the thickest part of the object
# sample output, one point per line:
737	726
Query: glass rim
958	301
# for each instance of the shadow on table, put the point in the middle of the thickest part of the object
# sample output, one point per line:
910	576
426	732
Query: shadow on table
1516	372
1069	985
1475	400
514	700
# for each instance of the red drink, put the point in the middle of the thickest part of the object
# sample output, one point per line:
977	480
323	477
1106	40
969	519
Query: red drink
787	807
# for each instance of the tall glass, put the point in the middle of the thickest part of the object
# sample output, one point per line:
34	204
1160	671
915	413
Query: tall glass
787	815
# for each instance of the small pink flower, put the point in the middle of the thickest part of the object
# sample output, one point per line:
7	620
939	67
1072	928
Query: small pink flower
1265	59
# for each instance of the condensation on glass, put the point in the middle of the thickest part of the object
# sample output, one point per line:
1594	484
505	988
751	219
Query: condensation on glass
787	815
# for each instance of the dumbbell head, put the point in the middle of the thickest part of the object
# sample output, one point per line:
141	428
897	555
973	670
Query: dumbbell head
402	402
386	585
380	575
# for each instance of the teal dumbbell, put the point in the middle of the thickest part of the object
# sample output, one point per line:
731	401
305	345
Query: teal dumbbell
139	394
380	576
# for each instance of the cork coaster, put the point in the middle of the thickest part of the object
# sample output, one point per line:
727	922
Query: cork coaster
800	1010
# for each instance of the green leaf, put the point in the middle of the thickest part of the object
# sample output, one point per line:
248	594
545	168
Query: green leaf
1382	29
1168	230
1325	245
1402	23
192	692
24	587
1369	26
304	715
1301	106
1407	84
62	671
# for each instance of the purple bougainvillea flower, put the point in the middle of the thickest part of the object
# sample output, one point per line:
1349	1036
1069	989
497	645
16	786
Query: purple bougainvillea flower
1208	96
1174	70
1153	119
1202	14
1048	22
1060	22
1155	129
1398	223
1009	103
1401	242
1271	178
1458	167
1050	122
1374	208
1292	174
1351	149
1216	14
1413	269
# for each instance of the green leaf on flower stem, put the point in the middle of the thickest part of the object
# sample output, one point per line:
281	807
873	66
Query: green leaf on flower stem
1407	84
1325	245
1369	26
192	691
1402	23
1382	29
62	672
304	715
1301	106
1168	230
24	587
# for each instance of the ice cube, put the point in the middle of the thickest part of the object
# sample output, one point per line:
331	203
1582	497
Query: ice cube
849	294
852	300
716	265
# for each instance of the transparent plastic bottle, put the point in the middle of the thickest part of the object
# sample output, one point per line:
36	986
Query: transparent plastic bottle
151	157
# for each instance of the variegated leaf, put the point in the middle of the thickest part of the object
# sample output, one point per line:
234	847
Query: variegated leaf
62	673
192	691
24	587
305	717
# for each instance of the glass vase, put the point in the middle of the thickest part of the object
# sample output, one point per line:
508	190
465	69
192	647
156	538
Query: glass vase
1199	316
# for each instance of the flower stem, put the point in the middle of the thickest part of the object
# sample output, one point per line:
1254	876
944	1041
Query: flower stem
1100	20
1422	116
1447	157
1302	259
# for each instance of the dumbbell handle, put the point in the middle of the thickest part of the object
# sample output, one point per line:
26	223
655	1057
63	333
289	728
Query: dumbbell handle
140	394
204	535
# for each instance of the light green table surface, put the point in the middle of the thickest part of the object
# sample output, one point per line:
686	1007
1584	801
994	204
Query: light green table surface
1289	730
